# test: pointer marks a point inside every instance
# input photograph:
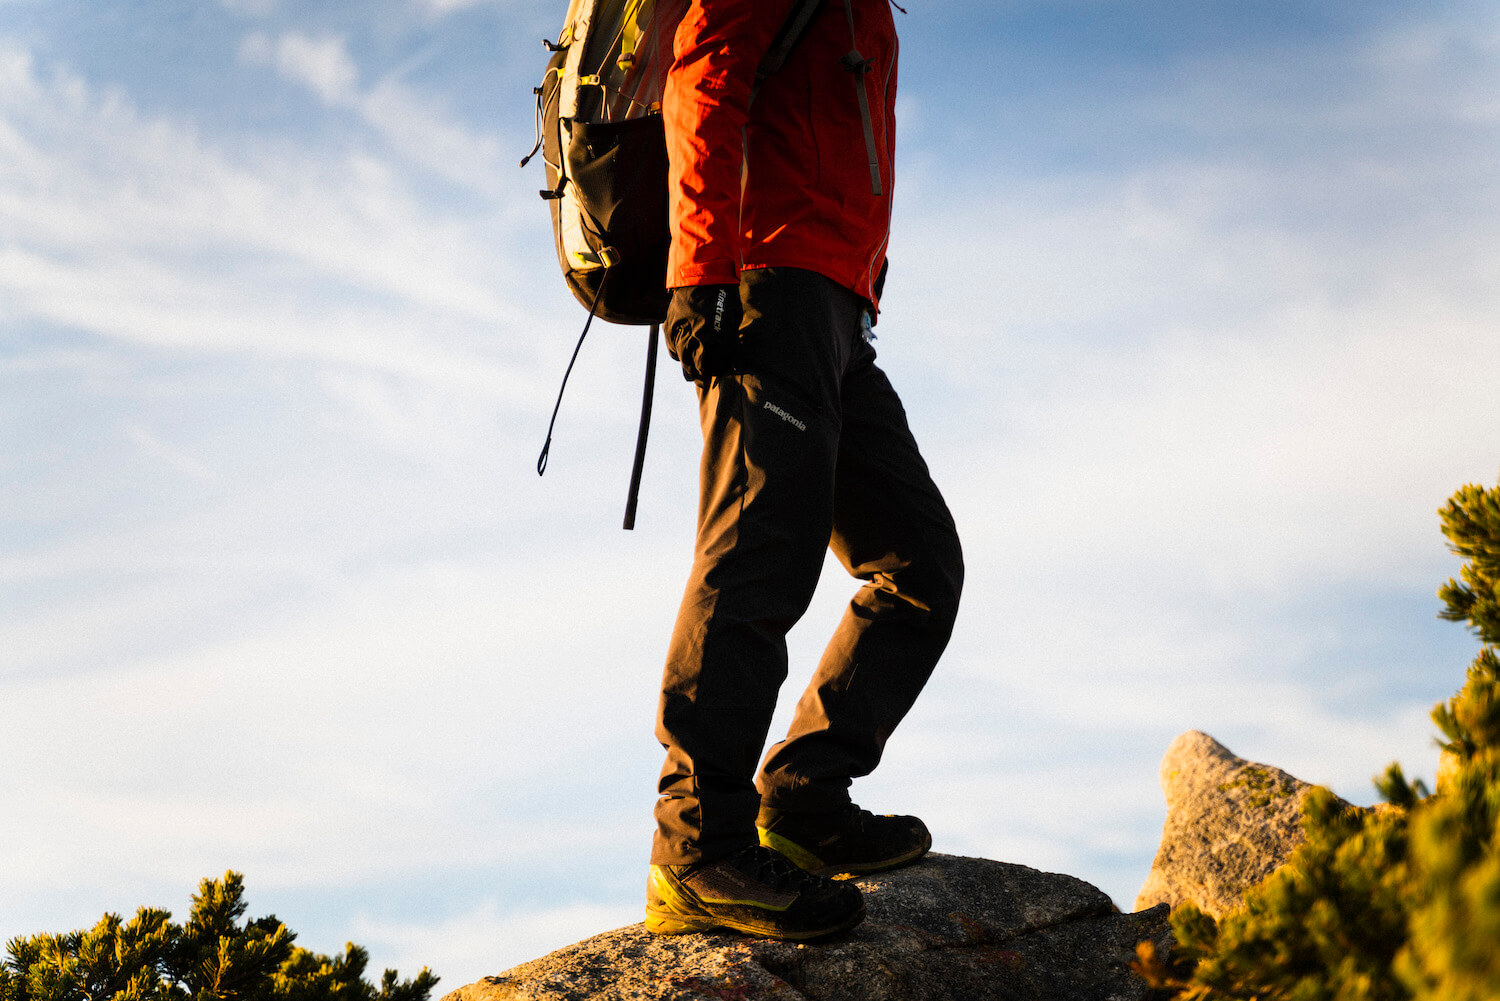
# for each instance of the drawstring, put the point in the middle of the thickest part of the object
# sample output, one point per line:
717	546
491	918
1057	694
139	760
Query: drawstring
541	460
645	426
551	47
527	158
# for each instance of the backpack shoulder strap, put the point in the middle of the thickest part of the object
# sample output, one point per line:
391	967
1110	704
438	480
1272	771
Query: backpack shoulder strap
787	38
859	66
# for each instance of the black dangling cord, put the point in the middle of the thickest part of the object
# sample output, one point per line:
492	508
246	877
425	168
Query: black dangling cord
640	436
541	460
527	158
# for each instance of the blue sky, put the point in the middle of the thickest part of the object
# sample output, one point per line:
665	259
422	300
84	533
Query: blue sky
1193	307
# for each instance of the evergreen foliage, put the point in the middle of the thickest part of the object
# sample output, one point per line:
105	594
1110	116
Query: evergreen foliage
1471	521
1396	903
210	957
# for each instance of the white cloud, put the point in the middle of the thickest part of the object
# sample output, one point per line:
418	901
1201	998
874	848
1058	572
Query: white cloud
448	6
321	64
333	740
419	130
485	940
414	126
139	229
171	457
1320	446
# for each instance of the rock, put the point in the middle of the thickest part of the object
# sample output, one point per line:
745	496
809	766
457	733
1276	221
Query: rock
944	929
1230	822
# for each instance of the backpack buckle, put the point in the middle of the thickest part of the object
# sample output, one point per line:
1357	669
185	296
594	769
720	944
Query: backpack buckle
856	63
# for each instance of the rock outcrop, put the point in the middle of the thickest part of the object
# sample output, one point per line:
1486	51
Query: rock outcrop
1230	822
944	929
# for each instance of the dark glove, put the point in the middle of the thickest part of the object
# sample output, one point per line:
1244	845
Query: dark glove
703	329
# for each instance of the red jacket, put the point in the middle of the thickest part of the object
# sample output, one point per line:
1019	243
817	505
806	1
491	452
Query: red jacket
806	200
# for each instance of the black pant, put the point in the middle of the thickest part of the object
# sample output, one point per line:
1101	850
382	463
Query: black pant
807	449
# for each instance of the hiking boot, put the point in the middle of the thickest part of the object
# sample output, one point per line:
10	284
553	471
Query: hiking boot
754	891
848	841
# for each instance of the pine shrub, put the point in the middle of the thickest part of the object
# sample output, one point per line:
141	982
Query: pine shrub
210	957
1396	903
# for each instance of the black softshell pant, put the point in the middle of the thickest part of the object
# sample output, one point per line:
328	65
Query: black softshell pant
807	450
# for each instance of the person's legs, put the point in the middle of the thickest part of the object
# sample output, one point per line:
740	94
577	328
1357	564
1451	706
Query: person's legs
893	530
767	509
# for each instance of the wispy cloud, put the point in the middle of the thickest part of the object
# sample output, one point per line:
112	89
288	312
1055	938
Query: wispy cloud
173	458
448	6
415	127
484	940
139	229
323	64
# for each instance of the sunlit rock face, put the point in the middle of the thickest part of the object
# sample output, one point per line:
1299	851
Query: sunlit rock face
1230	823
944	929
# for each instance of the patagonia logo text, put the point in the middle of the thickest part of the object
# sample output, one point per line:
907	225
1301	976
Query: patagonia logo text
794	422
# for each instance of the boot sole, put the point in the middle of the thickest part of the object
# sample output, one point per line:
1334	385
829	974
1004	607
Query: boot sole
669	923
809	862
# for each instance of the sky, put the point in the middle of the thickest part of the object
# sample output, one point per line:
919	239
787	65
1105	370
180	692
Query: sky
1193	308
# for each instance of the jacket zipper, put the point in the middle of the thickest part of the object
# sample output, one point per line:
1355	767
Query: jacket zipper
889	183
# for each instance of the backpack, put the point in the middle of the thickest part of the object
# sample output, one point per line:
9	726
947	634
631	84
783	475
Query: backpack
600	133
